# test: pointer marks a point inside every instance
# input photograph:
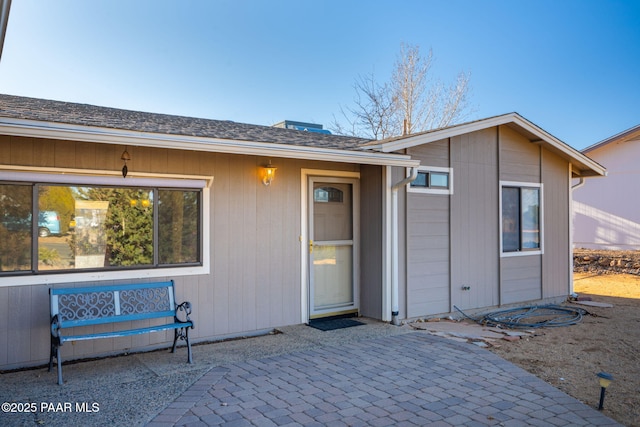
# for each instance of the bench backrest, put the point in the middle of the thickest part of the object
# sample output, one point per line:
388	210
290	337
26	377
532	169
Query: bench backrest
114	303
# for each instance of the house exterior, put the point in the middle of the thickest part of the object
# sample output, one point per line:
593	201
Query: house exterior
606	212
488	224
146	197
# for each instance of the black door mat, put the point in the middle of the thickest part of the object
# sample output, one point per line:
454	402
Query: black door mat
333	324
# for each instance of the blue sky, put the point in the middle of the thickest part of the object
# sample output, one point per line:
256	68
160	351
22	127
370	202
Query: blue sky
571	66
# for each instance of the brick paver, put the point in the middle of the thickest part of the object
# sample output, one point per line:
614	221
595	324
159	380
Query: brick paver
409	379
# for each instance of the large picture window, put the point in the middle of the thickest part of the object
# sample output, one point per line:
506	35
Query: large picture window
521	222
49	227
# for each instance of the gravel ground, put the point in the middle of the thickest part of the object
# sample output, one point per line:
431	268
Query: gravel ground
607	340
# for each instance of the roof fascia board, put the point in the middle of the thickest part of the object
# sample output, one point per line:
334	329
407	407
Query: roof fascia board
49	130
623	136
437	135
571	153
574	155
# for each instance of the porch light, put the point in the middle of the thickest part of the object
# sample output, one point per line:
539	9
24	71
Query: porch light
125	157
604	379
268	173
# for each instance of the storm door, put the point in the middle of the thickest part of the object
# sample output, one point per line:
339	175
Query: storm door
333	237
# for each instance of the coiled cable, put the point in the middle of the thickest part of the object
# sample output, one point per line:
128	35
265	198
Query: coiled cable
531	317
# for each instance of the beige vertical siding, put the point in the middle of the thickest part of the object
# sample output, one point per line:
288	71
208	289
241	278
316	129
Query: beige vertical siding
433	154
20	334
453	241
520	161
556	260
521	279
40	344
519	158
427	254
254	282
4	327
371	231
428	240
475	220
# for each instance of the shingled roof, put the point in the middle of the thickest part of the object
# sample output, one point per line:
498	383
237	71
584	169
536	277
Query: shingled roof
43	110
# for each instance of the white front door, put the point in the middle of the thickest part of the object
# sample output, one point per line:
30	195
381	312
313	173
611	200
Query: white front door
333	251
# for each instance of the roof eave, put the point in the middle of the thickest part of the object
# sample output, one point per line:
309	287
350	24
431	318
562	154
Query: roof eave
623	136
585	165
400	143
62	131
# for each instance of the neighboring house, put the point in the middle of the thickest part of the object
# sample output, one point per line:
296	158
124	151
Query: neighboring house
607	211
335	231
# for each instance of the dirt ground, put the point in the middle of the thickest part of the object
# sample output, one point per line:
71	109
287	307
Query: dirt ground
607	340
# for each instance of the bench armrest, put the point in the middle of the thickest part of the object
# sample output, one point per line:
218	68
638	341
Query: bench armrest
186	308
55	326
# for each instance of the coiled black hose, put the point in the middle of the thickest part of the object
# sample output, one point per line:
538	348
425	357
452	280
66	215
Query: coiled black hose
548	316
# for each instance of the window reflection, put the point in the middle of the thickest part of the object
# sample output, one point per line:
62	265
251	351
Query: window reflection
520	218
97	227
327	195
15	227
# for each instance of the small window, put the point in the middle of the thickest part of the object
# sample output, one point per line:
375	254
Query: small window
434	180
327	195
422	180
521	223
438	180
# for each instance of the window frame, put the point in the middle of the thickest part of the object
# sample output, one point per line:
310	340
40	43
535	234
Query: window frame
428	189
522	251
44	176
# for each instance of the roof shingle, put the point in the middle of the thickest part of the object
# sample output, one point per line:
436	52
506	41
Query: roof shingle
24	108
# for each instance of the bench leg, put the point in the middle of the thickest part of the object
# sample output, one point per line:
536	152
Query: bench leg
59	366
52	353
55	352
182	333
186	338
175	340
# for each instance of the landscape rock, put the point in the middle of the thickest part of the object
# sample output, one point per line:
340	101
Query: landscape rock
606	261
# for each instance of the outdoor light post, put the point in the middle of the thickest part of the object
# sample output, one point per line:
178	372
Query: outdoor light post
604	379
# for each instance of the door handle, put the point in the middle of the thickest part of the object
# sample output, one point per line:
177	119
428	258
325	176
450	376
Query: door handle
310	246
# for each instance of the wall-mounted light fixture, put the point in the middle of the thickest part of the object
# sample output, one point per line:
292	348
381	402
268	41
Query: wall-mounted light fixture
125	157
268	173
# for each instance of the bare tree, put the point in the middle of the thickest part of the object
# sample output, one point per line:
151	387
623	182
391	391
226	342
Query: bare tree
410	102
372	115
456	103
409	85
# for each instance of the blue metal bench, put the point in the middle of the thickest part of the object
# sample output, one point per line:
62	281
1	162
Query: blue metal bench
74	307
